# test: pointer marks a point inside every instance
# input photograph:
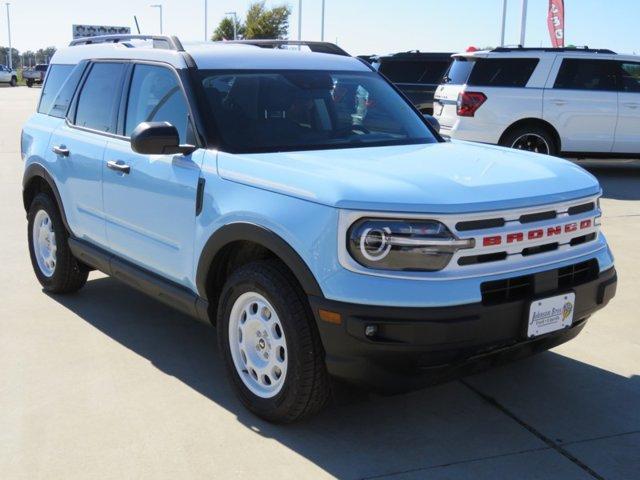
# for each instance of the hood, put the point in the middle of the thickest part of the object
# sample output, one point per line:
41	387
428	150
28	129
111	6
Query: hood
455	177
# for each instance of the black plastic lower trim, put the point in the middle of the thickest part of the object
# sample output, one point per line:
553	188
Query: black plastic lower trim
168	292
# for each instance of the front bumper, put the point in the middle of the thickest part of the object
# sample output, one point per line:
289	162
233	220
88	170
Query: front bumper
414	347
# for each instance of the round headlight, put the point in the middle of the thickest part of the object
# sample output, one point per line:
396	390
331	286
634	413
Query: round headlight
374	245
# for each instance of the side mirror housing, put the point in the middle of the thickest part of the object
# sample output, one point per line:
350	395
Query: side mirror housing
431	120
158	138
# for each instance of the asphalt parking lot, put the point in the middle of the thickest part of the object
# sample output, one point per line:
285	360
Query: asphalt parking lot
107	383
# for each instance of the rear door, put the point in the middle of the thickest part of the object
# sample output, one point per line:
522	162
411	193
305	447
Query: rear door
581	102
78	145
150	210
627	138
5	74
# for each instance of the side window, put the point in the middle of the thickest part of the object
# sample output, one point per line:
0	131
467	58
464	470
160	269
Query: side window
63	99
155	96
502	72
630	77
578	74
55	78
426	71
97	101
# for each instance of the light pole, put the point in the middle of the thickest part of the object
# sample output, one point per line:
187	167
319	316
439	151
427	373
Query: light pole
159	7
9	33
206	27
299	20
504	21
235	23
322	23
523	22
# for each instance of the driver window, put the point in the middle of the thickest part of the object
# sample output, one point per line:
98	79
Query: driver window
155	96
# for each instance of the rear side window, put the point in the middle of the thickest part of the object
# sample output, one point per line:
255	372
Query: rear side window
414	71
459	71
97	101
578	74
55	78
502	72
62	101
156	96
630	77
41	68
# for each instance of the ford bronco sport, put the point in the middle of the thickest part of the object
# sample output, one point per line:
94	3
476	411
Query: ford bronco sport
301	204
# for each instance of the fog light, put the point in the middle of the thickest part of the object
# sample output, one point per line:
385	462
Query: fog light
371	330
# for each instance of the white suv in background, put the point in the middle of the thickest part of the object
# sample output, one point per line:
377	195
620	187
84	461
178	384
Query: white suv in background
581	103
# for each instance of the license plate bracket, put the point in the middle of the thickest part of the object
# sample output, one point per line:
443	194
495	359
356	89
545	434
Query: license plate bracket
550	314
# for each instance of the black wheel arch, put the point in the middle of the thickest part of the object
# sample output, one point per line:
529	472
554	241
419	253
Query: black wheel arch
537	122
36	179
263	237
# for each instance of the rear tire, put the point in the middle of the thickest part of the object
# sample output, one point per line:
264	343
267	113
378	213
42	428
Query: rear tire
531	138
269	342
56	268
13	82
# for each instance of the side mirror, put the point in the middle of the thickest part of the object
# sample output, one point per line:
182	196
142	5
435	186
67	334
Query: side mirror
431	120
158	138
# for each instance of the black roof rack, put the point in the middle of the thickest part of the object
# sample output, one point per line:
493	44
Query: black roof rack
416	54
319	47
565	49
159	41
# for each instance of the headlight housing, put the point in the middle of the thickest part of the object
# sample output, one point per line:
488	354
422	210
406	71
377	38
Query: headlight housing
409	245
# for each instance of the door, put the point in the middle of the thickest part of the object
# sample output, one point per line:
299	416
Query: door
150	209
5	74
582	104
627	139
78	145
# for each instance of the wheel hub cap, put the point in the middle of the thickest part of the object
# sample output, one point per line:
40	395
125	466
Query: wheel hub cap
44	243
258	345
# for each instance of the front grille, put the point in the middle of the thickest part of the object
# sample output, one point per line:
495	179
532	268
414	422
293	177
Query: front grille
519	288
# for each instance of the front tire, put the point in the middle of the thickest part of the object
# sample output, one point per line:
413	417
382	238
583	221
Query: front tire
56	268
29	83
270	345
13	82
531	138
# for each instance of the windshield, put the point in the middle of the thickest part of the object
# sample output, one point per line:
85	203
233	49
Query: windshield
459	71
309	110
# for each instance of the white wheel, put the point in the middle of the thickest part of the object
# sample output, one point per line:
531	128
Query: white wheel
44	243
258	345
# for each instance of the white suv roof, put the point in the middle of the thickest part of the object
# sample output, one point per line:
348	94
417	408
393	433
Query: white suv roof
519	52
206	55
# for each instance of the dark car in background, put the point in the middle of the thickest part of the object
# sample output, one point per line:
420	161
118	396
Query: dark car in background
416	73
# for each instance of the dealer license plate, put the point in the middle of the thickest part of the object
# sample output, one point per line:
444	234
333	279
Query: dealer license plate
550	314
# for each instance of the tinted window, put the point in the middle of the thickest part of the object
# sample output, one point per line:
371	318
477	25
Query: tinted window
55	78
578	74
502	72
60	105
41	68
304	110
155	96
630	77
97	100
413	72
459	71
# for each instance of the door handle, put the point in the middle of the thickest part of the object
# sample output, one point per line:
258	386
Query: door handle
119	166
559	102
632	105
61	150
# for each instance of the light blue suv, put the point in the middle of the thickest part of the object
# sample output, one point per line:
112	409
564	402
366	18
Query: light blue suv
301	204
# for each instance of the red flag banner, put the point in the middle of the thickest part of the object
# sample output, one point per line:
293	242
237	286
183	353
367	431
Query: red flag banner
555	22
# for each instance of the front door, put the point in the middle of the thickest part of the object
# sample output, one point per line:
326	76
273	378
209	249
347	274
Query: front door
150	207
582	105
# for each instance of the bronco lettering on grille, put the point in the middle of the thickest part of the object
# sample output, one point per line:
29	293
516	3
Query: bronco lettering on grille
536	233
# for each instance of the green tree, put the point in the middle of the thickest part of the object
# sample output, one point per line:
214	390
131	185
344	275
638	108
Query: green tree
224	31
267	23
4	56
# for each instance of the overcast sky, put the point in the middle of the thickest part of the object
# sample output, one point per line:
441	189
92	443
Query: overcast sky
359	26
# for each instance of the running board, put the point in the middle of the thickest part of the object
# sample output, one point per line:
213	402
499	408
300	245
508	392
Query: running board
168	292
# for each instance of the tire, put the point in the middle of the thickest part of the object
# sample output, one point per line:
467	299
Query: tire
56	268
532	138
303	387
29	83
13	82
